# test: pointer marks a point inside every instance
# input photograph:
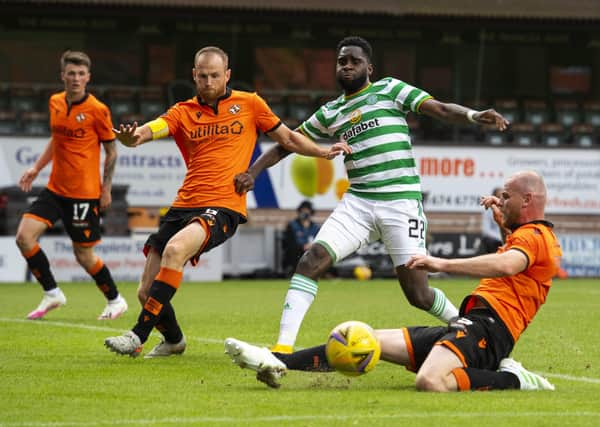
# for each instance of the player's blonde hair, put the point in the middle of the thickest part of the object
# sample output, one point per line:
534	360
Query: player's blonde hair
75	57
215	50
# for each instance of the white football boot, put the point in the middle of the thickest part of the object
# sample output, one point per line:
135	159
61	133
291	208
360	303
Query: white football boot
165	349
128	343
48	303
268	368
114	309
528	380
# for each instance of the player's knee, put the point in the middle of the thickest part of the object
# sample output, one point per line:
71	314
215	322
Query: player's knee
316	260
172	255
429	382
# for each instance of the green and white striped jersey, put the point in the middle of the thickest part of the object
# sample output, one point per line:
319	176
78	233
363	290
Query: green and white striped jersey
373	123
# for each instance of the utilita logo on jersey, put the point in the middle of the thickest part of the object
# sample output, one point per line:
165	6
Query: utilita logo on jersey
71	133
234	128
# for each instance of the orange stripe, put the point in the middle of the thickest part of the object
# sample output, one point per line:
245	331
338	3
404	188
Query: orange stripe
33	251
87	244
462	379
153	306
170	277
96	268
37	218
409	349
454	350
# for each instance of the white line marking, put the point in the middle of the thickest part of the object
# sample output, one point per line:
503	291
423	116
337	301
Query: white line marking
220	341
278	419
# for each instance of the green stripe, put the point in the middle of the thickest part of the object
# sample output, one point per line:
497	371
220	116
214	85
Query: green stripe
328	249
403	180
375	132
379	149
381	167
311	130
396	90
396	195
414	94
306	289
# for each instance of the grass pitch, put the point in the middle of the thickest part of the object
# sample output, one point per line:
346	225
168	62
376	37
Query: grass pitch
56	372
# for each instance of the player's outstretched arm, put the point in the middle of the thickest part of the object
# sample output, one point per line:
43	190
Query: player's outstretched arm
457	114
131	135
301	144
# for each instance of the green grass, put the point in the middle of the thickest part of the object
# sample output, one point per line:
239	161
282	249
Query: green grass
56	372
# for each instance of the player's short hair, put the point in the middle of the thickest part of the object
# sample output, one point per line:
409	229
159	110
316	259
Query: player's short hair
216	51
76	58
356	41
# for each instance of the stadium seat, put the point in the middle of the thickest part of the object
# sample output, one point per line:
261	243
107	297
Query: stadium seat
278	105
583	135
567	113
35	123
300	107
121	101
509	108
524	134
8	123
180	90
152	102
24	99
552	134
494	137
535	112
591	113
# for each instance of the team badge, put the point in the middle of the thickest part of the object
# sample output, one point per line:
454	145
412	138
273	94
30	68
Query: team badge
355	116
80	117
372	99
234	109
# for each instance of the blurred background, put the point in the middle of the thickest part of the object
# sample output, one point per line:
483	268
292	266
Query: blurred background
538	63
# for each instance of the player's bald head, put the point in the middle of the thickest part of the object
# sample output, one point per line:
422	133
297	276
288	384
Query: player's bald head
212	50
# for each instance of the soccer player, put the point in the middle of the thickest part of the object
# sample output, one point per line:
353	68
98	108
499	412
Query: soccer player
472	352
216	132
384	198
80	124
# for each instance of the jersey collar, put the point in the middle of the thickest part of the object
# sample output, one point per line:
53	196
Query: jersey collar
537	221
359	92
215	108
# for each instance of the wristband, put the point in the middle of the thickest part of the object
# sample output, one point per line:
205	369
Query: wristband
470	116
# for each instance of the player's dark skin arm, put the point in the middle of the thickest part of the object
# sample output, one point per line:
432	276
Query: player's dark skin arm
245	181
457	114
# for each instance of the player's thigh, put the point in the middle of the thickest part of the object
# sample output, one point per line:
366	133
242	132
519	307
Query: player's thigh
185	243
349	227
403	226
81	218
41	215
29	231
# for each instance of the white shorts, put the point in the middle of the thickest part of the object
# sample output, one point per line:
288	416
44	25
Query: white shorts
400	224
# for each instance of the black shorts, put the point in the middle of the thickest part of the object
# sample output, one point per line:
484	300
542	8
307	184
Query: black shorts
221	224
81	217
486	342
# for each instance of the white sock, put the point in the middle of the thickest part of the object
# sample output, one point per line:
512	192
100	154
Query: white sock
115	300
442	308
298	300
53	292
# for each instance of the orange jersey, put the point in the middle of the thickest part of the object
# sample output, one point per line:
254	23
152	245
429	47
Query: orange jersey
516	299
217	145
76	136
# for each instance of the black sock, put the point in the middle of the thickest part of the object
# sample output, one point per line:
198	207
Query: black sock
310	359
160	294
482	379
40	268
105	283
168	326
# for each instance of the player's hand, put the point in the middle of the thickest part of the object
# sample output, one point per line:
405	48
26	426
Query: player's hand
243	182
337	149
26	180
426	262
126	134
489	201
105	200
491	119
